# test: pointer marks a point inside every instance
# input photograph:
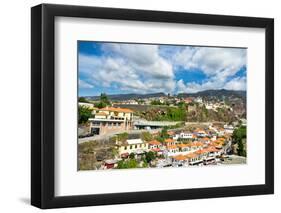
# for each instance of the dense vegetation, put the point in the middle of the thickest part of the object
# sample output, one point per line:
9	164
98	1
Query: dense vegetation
239	137
188	112
132	162
84	113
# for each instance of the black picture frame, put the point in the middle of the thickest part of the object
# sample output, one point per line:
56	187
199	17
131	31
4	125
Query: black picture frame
43	102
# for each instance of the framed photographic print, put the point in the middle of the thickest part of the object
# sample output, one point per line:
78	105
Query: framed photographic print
139	106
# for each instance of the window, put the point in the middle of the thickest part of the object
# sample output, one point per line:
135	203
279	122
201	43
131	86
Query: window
136	146
96	123
125	148
131	147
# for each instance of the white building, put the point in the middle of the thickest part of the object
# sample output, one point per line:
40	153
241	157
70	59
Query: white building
186	135
89	105
228	129
198	100
137	146
183	135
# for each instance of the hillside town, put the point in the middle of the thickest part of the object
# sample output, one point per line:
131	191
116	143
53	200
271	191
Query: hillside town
163	131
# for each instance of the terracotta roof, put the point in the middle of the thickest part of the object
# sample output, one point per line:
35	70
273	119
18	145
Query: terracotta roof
212	149
216	143
183	145
221	139
169	140
172	147
180	157
205	139
154	142
202	151
156	150
116	109
197	143
101	113
191	155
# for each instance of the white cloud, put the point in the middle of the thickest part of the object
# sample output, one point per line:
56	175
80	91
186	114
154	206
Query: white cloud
131	68
147	68
236	84
196	87
218	64
85	85
221	62
141	57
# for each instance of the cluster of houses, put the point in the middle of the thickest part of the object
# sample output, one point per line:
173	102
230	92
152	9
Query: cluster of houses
200	147
216	105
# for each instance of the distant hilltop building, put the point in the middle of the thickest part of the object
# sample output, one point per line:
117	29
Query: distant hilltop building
188	100
110	119
89	105
198	100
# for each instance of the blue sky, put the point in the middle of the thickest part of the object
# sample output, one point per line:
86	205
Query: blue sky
116	68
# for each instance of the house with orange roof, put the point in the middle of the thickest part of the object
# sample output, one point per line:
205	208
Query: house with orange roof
184	147
194	136
221	139
180	159
194	159
169	142
188	100
202	153
154	144
200	132
110	119
172	149
213	151
198	144
205	140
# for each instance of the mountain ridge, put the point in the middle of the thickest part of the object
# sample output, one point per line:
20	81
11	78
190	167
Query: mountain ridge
205	93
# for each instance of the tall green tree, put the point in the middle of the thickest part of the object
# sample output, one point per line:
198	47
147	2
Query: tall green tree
104	98
239	136
150	156
84	113
104	101
241	151
164	133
